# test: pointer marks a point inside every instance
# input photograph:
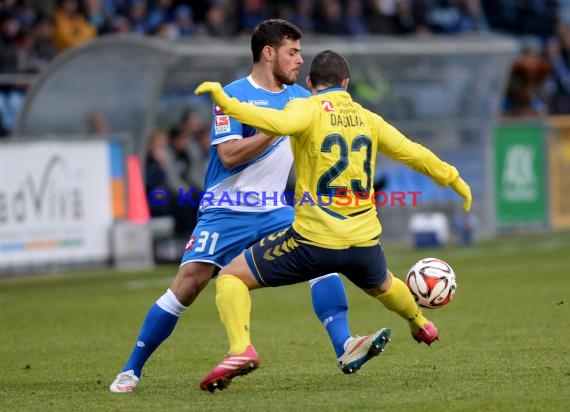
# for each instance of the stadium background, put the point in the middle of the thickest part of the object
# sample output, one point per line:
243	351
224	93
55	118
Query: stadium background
484	83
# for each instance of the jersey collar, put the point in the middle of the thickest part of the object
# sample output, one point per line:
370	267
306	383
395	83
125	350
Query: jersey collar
257	86
331	89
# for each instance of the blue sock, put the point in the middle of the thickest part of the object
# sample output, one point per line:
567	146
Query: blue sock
331	307
157	326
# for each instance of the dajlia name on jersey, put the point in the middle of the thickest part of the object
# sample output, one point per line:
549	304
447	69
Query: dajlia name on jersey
351	120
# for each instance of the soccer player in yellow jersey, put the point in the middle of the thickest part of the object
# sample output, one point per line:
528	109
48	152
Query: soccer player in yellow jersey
336	228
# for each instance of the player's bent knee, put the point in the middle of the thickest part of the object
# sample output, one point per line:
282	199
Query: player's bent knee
374	292
382	287
240	269
250	281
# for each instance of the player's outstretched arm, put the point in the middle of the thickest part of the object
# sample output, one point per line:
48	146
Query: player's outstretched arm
288	121
400	148
463	190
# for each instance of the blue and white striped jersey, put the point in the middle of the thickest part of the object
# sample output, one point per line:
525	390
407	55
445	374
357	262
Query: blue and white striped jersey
253	186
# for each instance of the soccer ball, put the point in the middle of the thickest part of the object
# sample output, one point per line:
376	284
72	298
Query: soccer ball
432	283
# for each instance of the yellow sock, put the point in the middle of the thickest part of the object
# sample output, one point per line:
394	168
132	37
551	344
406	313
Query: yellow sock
399	299
234	305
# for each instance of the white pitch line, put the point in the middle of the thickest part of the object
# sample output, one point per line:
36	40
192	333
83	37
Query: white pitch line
148	283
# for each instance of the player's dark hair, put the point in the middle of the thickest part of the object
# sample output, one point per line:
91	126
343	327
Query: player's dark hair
271	33
328	68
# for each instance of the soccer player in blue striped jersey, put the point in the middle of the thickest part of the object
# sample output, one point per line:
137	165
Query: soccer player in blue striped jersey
334	141
245	180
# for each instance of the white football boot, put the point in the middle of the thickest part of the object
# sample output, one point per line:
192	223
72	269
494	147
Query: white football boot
125	382
361	349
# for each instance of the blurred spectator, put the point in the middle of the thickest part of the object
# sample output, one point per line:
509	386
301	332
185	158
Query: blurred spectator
354	18
184	19
218	21
26	14
166	167
33	31
563	35
13	45
157	159
564	11
121	25
96	16
528	73
465	225
158	173
11	42
199	151
3	131
472	17
191	123
502	15
181	159
443	16
538	18
138	17
303	15
522	17
114	7
98	123
11	101
250	13
185	213
160	12
282	10
167	31
329	18
558	83
421	13
70	26
41	48
8	6
44	7
381	16
455	16
408	19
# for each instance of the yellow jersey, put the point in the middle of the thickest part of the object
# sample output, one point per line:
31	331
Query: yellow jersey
335	141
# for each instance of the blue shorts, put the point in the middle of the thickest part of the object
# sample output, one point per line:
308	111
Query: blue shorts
222	234
284	258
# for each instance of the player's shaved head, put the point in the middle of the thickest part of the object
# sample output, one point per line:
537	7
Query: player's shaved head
271	33
329	68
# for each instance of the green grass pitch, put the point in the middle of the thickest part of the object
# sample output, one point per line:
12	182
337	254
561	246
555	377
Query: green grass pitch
505	341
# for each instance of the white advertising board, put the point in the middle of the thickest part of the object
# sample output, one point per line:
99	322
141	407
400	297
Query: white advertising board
55	202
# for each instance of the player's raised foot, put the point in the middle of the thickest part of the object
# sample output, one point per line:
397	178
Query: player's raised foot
361	349
125	382
427	334
230	367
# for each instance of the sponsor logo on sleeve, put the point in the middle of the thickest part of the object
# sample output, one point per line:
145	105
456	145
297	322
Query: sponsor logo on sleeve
222	124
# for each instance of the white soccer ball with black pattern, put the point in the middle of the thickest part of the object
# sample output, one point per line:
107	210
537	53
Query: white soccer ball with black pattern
432	283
